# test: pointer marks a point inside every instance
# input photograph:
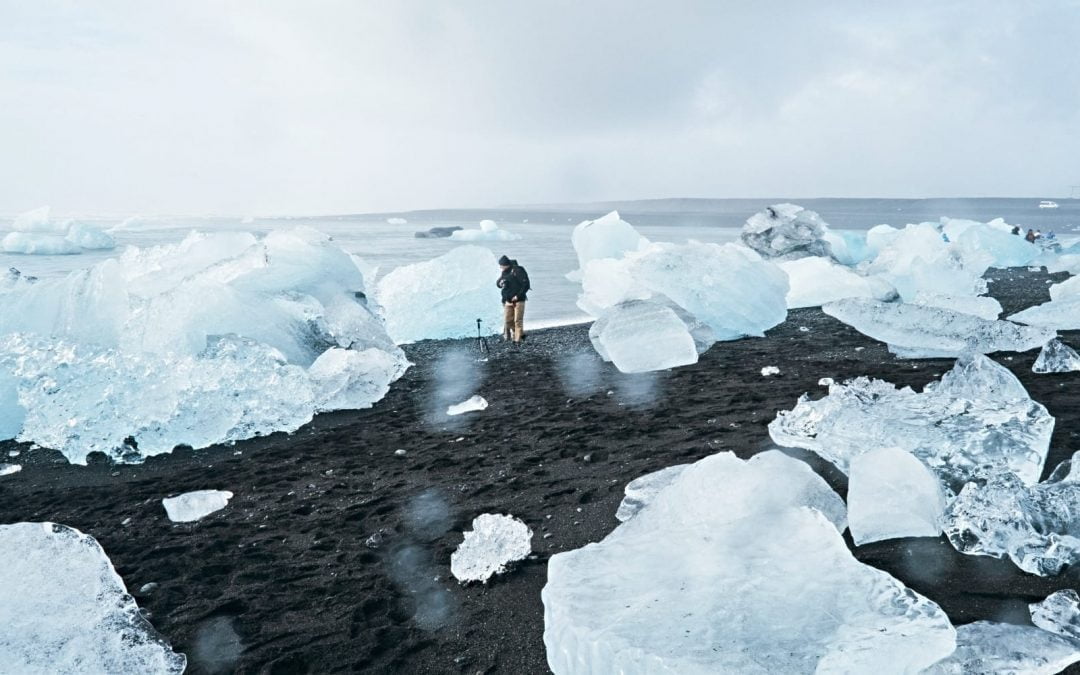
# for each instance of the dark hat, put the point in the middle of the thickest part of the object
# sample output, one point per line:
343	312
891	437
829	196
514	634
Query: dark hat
504	261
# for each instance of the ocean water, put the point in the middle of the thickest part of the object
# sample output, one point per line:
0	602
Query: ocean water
545	248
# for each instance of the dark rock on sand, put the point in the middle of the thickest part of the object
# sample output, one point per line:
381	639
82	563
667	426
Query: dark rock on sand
334	554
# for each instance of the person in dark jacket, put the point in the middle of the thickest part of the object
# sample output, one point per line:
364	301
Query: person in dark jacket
514	282
1030	236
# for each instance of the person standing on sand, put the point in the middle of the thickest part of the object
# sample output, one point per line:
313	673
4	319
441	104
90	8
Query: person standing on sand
514	282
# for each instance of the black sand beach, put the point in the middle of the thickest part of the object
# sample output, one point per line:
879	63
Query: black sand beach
334	554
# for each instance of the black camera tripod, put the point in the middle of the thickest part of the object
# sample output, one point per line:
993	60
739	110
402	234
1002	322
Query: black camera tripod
481	341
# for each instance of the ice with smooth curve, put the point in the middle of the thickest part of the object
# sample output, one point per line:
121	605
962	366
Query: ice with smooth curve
1056	357
34	243
978	418
990	648
488	231
1058	613
89	237
606	237
786	231
495	541
982	306
1036	526
752	578
192	506
34	233
473	404
892	494
815	281
224	325
66	610
9	469
350	379
640	336
443	297
640	491
728	287
920	331
1060	314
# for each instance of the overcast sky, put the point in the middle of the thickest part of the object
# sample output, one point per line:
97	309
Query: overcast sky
311	106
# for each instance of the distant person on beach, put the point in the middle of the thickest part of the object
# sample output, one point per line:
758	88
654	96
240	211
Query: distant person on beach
1030	236
514	282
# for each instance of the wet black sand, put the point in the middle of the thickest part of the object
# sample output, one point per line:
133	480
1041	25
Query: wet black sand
334	553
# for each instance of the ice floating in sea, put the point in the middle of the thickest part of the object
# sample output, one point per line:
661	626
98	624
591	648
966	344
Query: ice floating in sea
607	237
986	647
982	306
30	243
919	331
786	231
494	542
816	281
744	579
443	297
473	404
977	419
396	221
892	494
640	336
64	609
1058	613
35	234
1036	526
488	231
640	491
192	506
8	469
1056	357
769	370
224	326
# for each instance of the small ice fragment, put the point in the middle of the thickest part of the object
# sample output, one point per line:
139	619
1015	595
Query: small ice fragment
495	541
400	452
1056	357
804	329
892	494
13	453
192	506
769	370
8	469
826	382
1058	613
396	221
474	404
989	647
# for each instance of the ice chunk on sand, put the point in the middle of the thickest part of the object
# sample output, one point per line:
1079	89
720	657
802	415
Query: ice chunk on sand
741	580
640	491
918	331
786	231
978	418
8	469
443	297
995	238
1068	288
986	647
489	231
1036	526
1056	357
981	306
1060	314
607	237
918	258
892	494
224	326
346	379
66	610
640	336
192	506
727	287
1058	613
815	281
473	404
769	370
494	542
32	243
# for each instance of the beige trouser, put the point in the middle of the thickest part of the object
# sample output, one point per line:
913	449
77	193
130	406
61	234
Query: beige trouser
514	325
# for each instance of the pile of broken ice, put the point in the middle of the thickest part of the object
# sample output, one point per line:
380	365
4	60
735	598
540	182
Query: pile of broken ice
217	338
33	233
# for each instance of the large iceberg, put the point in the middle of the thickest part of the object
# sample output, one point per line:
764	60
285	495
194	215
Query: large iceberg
488	231
786	231
1036	526
35	234
991	648
606	237
495	541
725	286
205	341
816	281
64	609
892	494
640	336
744	579
443	297
922	331
977	419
